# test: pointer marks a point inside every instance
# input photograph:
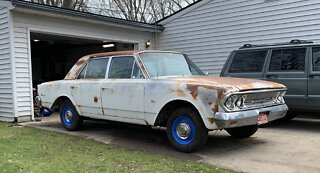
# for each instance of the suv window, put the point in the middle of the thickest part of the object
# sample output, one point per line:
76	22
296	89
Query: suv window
95	69
248	62
121	67
316	58
288	60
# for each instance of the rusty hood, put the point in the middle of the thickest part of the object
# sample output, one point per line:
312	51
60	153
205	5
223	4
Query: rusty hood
228	83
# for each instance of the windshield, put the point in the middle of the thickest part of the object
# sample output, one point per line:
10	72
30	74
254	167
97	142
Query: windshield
169	64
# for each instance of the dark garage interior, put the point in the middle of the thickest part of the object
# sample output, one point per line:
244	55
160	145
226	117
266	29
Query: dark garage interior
53	56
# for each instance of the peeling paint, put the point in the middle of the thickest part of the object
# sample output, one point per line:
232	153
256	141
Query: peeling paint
193	90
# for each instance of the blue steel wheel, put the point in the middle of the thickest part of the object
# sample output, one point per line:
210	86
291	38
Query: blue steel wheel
185	130
69	117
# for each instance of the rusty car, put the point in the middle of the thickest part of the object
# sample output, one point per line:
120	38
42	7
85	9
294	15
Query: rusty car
162	89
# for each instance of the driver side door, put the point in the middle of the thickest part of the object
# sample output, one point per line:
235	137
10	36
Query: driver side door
122	93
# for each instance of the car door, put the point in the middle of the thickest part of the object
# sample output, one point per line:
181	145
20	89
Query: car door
122	93
288	66
314	79
86	89
246	64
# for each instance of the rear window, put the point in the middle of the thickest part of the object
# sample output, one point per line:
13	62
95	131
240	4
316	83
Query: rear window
288	60
248	62
95	69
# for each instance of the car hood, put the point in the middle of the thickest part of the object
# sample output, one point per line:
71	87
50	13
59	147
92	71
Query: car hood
229	83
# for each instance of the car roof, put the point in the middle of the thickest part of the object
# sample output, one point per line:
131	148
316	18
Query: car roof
77	67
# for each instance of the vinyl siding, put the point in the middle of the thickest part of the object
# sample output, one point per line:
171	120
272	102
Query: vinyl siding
25	21
210	32
22	70
6	96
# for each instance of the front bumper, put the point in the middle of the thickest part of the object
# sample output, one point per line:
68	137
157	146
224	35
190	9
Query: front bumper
249	117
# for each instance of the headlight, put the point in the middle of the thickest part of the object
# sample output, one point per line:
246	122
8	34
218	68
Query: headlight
240	102
278	97
230	102
235	100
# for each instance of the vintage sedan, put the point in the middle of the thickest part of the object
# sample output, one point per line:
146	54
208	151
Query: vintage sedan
166	89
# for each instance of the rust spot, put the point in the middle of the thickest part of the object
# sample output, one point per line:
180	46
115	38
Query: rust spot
193	90
211	120
215	108
179	92
80	62
95	99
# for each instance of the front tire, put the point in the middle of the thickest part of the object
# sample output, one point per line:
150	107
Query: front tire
185	130
243	132
70	117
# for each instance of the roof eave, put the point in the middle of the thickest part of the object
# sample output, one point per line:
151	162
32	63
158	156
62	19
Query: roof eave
73	13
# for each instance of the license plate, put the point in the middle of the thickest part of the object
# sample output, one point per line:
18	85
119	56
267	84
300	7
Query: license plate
263	118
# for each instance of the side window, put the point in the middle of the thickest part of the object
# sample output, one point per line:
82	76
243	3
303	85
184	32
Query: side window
248	62
121	67
136	72
288	60
316	58
83	73
95	69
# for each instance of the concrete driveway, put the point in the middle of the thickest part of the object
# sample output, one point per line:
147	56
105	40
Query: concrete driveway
283	147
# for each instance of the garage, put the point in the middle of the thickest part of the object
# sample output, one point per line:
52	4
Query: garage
40	43
52	56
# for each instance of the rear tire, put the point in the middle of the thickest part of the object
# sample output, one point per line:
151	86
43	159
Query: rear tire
70	117
185	130
243	132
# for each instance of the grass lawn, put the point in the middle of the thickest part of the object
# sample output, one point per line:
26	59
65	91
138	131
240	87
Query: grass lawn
32	150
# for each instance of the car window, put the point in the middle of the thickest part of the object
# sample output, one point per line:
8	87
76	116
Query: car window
248	62
316	58
96	68
136	72
288	60
121	67
83	73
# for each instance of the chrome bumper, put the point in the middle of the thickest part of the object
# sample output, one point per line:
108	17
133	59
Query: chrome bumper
250	117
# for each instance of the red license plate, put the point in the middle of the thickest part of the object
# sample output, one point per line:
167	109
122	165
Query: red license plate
263	118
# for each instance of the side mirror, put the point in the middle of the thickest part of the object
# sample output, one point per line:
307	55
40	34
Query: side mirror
206	73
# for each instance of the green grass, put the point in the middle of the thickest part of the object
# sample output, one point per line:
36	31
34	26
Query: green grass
32	150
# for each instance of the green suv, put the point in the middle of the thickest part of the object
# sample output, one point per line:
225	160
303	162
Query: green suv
295	64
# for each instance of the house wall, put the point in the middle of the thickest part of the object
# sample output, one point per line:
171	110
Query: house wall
209	32
6	82
26	21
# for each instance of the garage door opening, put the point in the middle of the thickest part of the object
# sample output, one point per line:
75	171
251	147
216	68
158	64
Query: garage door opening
52	56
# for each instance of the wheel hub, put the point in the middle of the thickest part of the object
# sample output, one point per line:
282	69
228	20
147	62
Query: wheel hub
183	130
68	116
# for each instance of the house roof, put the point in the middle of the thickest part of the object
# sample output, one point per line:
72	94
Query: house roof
91	16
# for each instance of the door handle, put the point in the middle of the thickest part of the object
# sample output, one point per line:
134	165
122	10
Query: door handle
314	75
74	87
270	76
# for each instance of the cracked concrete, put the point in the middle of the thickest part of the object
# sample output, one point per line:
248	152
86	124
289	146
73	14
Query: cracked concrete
283	147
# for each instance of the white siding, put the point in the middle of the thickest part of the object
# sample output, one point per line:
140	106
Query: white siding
208	33
26	21
6	96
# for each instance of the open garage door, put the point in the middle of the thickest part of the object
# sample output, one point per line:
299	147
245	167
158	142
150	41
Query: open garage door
53	55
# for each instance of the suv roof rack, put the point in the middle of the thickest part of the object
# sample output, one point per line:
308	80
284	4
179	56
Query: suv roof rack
276	44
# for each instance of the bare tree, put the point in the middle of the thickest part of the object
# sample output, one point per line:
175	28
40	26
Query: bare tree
147	11
80	5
